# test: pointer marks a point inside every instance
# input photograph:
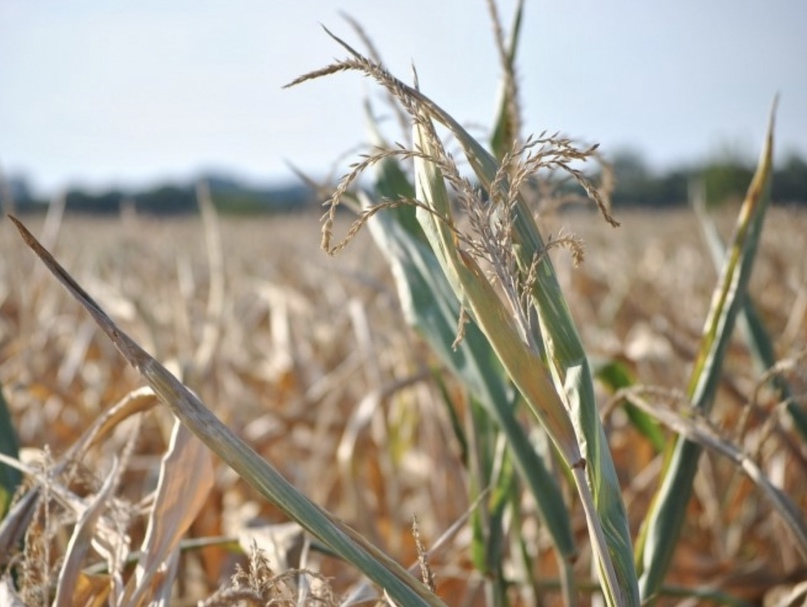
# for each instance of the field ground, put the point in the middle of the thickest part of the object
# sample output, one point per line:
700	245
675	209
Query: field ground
309	359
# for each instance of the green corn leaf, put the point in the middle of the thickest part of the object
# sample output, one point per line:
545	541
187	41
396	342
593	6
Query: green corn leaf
10	478
453	416
663	522
505	130
481	434
616	376
756	335
505	485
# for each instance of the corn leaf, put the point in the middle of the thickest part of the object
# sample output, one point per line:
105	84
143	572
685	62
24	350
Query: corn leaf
616	376
505	129
756	335
488	473
663	522
10	478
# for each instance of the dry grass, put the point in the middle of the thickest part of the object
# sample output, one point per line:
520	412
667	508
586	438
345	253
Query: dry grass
311	363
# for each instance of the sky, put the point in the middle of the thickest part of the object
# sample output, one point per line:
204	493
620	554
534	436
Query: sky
106	93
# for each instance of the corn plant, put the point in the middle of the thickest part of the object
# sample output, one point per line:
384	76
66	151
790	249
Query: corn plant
521	313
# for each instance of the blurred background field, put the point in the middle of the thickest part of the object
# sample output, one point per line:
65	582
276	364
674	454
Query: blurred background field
311	362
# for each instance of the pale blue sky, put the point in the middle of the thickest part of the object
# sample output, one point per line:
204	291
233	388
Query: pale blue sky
105	92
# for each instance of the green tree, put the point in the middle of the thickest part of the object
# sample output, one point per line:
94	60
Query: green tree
726	179
790	181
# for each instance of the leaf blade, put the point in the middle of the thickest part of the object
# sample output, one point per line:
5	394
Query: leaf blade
664	520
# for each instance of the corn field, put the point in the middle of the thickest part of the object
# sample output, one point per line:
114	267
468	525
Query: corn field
485	395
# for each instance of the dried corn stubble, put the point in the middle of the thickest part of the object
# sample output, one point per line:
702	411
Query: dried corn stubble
659	255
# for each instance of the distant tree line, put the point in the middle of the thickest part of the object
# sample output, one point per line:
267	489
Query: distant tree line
167	200
636	185
228	197
721	179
